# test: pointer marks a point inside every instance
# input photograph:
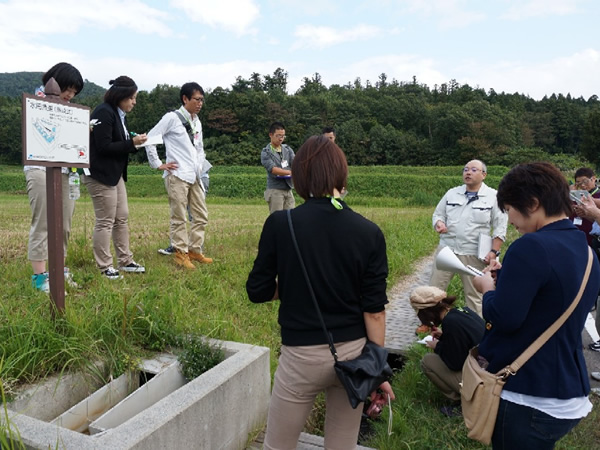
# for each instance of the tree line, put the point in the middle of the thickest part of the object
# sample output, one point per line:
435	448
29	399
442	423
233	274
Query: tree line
383	123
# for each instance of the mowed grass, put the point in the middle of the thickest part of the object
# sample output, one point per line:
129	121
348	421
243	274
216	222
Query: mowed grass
118	322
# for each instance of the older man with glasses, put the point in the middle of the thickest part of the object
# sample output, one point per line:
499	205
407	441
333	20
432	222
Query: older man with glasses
462	215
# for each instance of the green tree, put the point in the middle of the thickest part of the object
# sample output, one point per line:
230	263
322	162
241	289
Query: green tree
590	143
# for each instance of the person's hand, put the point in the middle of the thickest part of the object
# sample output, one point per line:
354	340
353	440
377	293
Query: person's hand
588	208
485	282
491	256
441	227
432	343
493	266
168	166
436	332
139	139
386	388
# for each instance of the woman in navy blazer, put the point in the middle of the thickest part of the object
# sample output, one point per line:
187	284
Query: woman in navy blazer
540	277
110	146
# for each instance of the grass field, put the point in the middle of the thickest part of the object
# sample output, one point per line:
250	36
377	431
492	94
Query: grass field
120	322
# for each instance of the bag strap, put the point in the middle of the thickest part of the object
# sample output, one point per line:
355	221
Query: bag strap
310	288
540	341
187	125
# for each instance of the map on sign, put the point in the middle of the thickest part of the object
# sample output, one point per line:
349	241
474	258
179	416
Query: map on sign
55	133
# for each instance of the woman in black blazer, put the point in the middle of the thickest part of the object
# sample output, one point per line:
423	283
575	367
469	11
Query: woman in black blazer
110	146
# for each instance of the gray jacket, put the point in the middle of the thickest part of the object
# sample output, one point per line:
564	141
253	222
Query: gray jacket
270	159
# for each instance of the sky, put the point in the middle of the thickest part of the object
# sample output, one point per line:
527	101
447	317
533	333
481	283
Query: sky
533	47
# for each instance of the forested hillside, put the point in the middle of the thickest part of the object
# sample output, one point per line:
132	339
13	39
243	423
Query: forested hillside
14	84
381	123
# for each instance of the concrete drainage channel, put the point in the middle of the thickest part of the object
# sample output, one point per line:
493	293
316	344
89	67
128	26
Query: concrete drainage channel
153	408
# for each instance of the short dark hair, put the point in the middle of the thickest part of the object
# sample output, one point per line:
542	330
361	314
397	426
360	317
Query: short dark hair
120	88
188	89
328	130
584	172
276	126
527	183
433	314
319	167
66	76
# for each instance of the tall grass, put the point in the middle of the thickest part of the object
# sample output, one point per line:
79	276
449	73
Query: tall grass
118	321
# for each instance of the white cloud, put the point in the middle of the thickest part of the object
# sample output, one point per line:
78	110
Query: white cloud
399	67
451	13
37	18
310	36
232	15
148	74
520	9
575	74
308	7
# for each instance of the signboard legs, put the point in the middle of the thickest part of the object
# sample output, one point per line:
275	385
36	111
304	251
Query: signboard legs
56	251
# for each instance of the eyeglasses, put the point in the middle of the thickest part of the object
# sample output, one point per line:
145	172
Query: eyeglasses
280	136
198	99
582	182
471	169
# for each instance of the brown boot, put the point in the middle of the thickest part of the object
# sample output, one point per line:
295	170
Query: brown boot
183	260
200	258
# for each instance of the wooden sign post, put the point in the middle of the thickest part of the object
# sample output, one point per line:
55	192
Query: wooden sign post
56	134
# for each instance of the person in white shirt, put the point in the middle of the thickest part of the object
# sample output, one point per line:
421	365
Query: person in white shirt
181	131
462	214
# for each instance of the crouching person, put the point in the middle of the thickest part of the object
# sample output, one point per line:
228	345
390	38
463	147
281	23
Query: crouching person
455	330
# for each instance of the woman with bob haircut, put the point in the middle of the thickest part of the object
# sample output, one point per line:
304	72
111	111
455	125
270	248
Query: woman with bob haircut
110	146
540	277
345	257
70	83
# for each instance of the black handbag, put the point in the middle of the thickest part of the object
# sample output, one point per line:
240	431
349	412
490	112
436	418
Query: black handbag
360	376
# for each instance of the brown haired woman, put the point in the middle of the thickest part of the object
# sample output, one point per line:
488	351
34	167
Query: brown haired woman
345	257
461	330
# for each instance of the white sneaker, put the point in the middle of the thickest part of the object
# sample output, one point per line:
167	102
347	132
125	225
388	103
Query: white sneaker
69	279
595	376
112	274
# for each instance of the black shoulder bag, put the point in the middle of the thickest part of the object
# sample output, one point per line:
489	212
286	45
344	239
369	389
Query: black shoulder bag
360	376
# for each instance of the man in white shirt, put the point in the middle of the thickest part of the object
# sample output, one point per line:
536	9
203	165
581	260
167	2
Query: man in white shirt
460	217
182	135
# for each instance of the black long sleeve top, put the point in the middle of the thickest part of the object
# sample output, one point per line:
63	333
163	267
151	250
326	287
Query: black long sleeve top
345	256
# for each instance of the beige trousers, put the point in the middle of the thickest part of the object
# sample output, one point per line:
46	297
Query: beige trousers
446	380
279	199
112	220
304	372
441	279
37	249
181	194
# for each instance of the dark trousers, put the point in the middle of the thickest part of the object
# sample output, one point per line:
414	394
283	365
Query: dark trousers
521	427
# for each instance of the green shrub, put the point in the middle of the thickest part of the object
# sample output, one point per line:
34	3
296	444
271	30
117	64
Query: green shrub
198	356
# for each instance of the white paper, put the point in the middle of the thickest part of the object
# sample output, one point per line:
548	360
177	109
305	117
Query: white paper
426	339
485	245
152	140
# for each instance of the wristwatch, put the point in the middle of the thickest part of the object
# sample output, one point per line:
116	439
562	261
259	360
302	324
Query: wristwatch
497	252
